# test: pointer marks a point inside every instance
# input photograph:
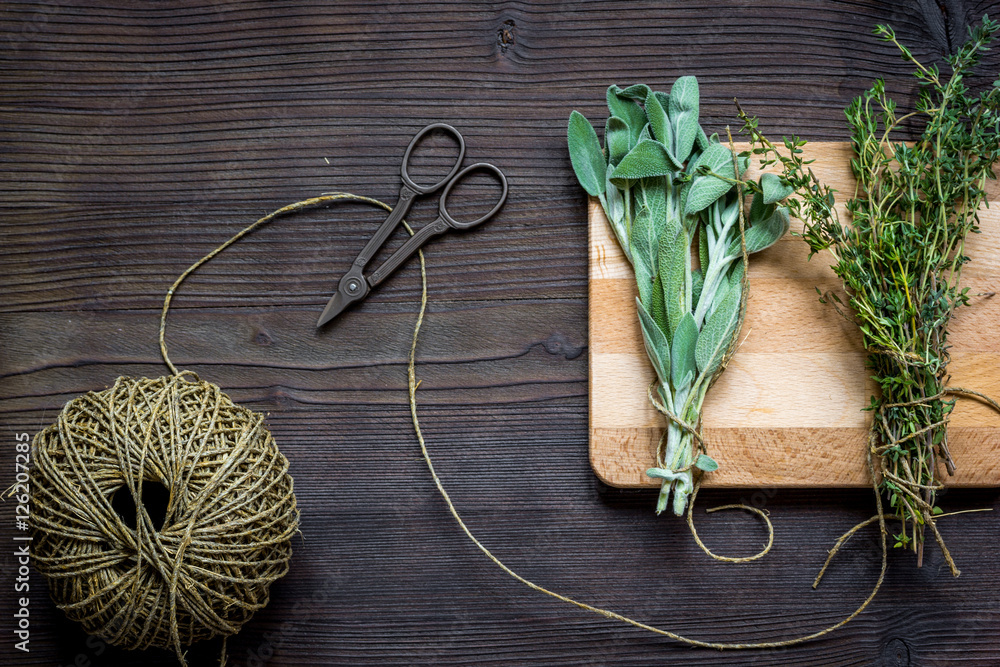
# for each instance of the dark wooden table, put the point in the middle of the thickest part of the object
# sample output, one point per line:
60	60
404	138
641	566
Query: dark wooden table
136	137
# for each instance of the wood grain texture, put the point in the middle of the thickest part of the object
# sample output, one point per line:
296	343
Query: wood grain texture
135	137
788	409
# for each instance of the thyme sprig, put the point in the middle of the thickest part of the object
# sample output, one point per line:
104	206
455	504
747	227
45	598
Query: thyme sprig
902	254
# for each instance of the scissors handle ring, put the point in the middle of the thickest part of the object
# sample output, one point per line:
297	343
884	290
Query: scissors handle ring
443	205
427	189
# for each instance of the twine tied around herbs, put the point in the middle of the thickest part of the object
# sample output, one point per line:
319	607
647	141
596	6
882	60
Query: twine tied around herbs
881	433
695	432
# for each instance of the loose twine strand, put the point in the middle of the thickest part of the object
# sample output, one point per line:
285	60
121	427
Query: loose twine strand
413	384
285	210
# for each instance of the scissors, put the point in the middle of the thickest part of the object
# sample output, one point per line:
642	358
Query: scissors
356	285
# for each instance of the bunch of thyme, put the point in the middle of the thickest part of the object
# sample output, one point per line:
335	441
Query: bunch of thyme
901	258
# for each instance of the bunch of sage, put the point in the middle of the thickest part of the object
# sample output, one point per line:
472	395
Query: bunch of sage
672	195
901	259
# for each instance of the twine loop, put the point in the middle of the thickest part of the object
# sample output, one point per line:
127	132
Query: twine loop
695	432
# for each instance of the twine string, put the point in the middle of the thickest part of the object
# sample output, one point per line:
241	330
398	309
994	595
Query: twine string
413	384
312	202
703	446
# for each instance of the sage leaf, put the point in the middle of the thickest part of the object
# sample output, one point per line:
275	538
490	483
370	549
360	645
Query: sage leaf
703	192
616	138
703	248
719	329
651	195
766	234
616	216
644	240
717	159
720	295
656	306
657	345
644	248
664	474
763	234
730	210
682	352
758	211
702	139
585	154
644	277
647	228
637	92
649	158
773	189
673	266
735	276
628	111
662	98
683	110
706	188
651	218
706	463
660	123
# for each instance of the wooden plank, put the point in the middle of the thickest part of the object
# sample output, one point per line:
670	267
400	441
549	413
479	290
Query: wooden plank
788	409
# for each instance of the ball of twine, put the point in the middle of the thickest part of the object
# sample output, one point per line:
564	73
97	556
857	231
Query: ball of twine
229	520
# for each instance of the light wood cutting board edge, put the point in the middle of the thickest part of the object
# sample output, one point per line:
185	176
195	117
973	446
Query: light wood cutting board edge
783	455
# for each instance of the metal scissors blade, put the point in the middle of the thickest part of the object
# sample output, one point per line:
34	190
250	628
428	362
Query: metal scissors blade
335	306
355	285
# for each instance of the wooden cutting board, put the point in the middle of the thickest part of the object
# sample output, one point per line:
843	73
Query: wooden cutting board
788	409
